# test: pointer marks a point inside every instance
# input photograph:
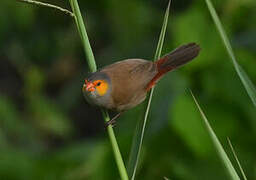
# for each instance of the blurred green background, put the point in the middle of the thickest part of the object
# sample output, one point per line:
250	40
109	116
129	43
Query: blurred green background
47	129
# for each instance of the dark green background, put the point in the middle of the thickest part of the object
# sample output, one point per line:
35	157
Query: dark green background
47	129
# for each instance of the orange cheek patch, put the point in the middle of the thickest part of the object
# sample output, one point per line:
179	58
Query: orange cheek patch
102	88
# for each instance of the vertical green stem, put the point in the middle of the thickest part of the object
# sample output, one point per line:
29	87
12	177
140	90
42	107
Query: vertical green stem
83	34
93	68
140	128
117	154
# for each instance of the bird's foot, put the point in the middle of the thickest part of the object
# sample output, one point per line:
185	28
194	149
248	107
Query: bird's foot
112	122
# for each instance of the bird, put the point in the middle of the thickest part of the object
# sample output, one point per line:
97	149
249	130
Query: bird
125	84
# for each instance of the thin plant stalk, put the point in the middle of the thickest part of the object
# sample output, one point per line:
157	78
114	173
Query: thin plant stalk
93	68
83	34
237	160
38	3
140	128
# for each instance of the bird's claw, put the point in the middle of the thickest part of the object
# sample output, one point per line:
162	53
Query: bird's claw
111	122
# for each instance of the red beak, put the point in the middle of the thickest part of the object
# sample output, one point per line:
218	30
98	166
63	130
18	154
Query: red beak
89	86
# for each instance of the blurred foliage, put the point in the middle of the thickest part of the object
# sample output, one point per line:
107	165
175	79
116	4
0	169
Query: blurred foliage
47	129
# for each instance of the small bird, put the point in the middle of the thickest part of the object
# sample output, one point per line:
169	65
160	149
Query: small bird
125	84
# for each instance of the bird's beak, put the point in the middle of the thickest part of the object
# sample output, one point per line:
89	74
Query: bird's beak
89	86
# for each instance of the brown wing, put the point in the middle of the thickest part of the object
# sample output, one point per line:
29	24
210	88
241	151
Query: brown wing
129	80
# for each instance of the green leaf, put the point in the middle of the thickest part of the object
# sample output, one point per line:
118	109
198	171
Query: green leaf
221	152
140	128
249	86
237	160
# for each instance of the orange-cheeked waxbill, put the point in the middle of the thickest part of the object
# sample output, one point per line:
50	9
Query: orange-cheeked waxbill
125	84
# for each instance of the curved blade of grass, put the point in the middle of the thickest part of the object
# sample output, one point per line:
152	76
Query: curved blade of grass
234	153
48	5
140	127
222	154
93	68
249	86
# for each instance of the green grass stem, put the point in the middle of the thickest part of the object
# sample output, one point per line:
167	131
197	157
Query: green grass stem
237	160
249	86
48	6
83	34
140	128
218	147
93	68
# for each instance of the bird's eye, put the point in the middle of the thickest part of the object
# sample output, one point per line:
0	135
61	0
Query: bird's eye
99	83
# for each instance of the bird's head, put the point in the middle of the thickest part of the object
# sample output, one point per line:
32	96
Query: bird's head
97	88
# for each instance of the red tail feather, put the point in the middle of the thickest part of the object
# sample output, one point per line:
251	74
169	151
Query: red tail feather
173	60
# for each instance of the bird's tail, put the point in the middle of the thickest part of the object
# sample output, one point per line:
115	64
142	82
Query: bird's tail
175	59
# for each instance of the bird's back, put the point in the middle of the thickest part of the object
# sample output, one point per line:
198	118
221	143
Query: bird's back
129	79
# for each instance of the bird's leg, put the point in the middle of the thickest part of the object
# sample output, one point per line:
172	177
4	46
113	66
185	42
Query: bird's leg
112	121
